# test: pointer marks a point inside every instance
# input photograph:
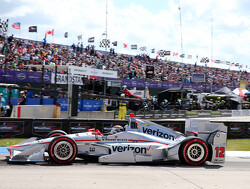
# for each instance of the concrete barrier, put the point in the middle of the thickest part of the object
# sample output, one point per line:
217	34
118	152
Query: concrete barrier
34	111
91	114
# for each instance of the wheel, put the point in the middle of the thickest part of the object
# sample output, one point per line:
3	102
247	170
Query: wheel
62	150
55	133
193	152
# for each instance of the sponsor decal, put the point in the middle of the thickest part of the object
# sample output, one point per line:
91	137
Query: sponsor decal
145	124
158	133
21	76
46	77
135	149
104	138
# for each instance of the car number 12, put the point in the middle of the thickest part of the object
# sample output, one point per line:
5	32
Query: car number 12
220	151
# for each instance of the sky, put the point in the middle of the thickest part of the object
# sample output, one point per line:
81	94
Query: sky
217	29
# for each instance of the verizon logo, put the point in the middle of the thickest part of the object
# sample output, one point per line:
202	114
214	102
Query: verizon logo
157	133
137	150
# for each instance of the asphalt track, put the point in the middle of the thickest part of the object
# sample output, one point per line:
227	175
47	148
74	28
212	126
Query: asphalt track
235	173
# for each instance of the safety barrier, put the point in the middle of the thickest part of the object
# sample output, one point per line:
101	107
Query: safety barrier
25	128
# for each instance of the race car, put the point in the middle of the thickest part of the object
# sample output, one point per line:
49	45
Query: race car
141	141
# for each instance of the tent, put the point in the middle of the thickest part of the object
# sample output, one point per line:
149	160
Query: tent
239	91
173	94
227	93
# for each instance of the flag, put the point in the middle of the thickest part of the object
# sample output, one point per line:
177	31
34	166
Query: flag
175	54
204	60
161	53
182	55
232	64
125	45
167	53
79	37
152	50
49	33
33	29
189	56
104	43
66	35
4	25
114	43
134	47
143	48
16	25
212	60
91	40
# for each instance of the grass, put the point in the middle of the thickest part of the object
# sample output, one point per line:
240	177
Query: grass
238	145
232	144
10	141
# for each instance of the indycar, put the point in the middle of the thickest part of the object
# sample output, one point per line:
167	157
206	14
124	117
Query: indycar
141	141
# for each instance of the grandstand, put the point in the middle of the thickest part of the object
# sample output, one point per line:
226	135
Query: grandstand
23	52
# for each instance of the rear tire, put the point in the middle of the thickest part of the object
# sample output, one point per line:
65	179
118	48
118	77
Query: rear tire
55	133
62	150
193	152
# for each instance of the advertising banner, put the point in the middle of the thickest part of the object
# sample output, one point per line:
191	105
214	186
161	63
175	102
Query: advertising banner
91	105
79	127
10	128
74	70
63	79
24	76
42	128
199	78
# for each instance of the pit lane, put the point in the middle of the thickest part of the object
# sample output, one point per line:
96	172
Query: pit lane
233	174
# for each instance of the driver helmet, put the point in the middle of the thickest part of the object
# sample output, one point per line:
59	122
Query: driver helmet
116	129
124	87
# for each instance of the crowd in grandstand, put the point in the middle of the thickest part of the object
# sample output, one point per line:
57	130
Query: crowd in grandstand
24	52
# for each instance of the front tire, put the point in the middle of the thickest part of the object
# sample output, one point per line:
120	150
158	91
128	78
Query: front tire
62	150
193	152
55	133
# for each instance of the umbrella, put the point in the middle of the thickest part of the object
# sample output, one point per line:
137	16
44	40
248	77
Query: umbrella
240	91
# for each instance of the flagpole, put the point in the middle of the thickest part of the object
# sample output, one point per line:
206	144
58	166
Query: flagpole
212	40
106	30
181	34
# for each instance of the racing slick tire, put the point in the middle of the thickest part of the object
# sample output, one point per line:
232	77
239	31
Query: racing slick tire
55	133
193	152
62	150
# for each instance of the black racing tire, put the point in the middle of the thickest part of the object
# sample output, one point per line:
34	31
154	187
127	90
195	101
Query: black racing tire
55	133
62	150
193	152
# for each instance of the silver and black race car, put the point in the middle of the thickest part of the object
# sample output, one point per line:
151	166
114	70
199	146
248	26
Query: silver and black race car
141	141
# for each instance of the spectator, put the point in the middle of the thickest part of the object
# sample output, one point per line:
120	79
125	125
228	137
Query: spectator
22	98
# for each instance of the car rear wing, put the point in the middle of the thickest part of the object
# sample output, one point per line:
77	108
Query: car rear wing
214	134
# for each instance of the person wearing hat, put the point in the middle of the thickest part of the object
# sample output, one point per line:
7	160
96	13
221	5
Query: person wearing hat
22	98
2	103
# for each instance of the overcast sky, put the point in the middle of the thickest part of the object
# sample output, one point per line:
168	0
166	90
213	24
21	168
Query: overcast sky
150	23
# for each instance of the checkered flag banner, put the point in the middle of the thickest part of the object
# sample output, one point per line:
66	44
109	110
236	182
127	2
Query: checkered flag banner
79	37
161	53
143	48
105	43
204	60
4	25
